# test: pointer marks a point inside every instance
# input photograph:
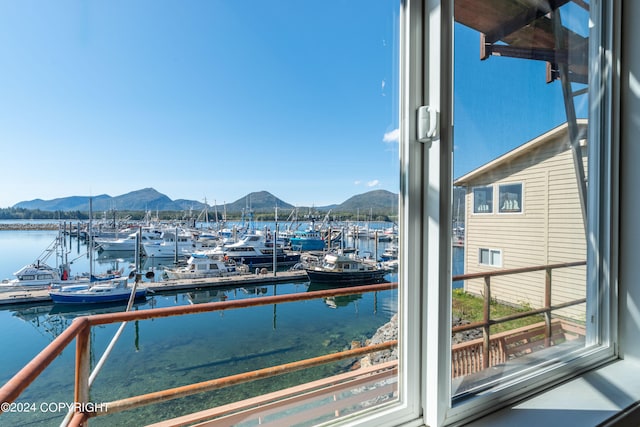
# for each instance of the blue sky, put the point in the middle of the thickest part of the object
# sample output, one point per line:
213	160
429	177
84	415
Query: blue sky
215	99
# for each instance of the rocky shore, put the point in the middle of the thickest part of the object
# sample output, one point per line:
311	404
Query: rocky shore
389	331
29	226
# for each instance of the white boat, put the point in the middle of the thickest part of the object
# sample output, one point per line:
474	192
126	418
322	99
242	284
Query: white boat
390	253
183	243
201	265
35	275
117	290
255	251
128	243
41	275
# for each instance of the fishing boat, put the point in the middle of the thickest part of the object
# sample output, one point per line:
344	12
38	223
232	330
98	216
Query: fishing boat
255	251
308	240
343	269
200	265
117	290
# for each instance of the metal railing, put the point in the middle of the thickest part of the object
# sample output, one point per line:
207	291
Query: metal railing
546	310
80	330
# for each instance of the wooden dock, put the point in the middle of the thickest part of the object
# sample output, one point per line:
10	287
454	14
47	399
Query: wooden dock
29	296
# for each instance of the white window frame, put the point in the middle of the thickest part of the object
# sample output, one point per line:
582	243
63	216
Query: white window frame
491	251
473	200
425	231
437	186
522	201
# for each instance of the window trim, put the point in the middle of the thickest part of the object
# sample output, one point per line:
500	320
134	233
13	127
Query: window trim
473	199
439	408
490	251
522	201
425	270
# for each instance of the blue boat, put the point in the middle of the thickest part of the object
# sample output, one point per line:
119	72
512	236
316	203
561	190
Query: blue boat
102	292
307	241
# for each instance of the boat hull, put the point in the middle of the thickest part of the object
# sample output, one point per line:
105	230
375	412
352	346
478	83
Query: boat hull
61	297
342	278
266	260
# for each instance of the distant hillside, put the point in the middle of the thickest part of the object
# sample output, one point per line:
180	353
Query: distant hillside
374	201
378	201
140	200
261	201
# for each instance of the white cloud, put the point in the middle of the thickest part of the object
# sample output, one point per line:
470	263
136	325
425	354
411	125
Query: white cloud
392	136
357	182
373	183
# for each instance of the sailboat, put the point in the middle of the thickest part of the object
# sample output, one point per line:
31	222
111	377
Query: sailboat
97	290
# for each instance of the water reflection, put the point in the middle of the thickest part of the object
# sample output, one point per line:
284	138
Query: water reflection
201	297
336	301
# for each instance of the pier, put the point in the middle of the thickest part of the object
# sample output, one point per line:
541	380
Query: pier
27	296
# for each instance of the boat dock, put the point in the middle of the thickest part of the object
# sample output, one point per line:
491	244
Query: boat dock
28	296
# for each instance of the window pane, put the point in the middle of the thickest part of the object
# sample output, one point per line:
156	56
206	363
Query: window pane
286	112
484	256
520	119
483	200
510	198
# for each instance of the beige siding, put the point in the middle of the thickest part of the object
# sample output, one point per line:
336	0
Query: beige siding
550	229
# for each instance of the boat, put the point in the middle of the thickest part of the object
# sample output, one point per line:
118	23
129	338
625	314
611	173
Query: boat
182	242
117	290
128	243
200	265
308	240
389	253
345	269
40	275
35	275
255	251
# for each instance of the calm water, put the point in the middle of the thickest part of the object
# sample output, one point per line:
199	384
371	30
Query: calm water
156	354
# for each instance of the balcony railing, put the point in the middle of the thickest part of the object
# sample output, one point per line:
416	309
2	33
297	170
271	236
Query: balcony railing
490	350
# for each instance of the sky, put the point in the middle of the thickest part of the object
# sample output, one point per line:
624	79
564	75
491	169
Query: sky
214	99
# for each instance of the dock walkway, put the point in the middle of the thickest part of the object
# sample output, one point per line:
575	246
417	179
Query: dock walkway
27	296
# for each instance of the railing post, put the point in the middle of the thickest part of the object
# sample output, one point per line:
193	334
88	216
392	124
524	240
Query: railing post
83	368
485	328
547	306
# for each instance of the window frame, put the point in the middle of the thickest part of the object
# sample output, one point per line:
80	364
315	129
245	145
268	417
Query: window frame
490	252
440	409
425	212
491	200
520	211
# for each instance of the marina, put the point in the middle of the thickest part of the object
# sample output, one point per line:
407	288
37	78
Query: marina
179	350
25	296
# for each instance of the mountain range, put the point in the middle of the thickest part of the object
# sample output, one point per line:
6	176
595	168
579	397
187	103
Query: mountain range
150	199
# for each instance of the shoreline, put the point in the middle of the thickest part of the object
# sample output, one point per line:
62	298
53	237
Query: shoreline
29	226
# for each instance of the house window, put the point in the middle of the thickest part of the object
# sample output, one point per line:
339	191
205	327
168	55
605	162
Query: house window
483	200
490	257
510	197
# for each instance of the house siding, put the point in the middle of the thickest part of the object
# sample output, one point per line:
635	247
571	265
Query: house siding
549	230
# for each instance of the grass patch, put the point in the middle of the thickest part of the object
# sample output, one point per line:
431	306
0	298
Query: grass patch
470	307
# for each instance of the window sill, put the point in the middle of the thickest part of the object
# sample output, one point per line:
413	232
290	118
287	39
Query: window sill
588	400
